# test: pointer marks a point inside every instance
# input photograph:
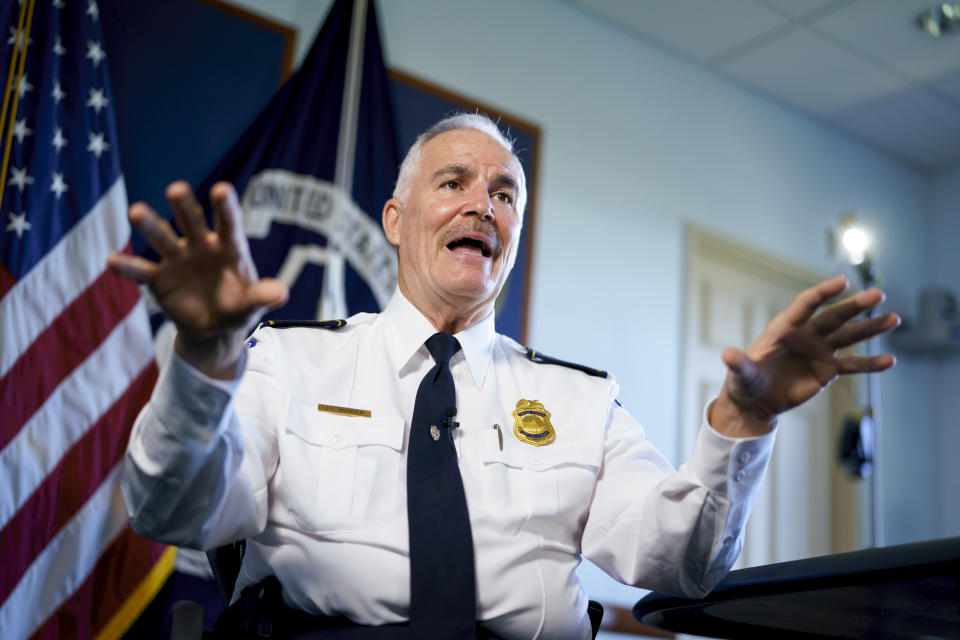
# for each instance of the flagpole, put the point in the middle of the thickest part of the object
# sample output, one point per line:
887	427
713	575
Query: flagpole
347	143
333	295
20	41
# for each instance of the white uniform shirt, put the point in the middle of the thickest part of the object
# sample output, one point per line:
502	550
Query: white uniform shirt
321	497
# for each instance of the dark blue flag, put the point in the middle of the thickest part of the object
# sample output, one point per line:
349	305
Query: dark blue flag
313	172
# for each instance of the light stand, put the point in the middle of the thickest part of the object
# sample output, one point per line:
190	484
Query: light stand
861	441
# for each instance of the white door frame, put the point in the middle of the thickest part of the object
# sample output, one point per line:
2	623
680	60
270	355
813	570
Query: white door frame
704	248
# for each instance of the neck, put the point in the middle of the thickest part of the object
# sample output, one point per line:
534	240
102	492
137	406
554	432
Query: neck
450	316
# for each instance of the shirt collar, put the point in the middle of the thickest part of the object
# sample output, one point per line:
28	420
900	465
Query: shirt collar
409	329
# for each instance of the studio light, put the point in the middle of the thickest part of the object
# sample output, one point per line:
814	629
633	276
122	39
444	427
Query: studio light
853	242
859	445
940	20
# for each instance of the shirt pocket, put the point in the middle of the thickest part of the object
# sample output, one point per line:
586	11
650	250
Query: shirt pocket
339	472
546	490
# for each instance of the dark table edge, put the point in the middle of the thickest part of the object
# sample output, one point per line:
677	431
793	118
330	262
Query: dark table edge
933	557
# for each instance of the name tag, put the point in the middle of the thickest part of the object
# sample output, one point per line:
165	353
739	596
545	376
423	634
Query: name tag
344	411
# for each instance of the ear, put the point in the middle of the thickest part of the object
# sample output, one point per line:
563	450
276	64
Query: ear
392	221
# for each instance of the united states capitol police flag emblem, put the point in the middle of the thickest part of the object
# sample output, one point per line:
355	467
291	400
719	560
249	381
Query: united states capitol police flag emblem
531	423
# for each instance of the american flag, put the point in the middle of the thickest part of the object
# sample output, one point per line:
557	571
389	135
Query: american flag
76	357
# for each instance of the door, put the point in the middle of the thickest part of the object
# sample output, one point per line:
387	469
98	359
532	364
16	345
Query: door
806	507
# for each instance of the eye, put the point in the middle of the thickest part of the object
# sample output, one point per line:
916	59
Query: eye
504	196
451	184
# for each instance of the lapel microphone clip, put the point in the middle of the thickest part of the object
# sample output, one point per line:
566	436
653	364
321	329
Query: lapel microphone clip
448	421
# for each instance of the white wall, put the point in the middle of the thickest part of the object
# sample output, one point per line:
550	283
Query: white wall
945	241
638	143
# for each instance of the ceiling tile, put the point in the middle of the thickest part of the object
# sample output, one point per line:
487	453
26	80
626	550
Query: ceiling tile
808	71
860	64
949	84
885	31
690	27
800	9
913	124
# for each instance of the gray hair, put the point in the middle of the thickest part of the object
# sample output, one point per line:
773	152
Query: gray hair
478	121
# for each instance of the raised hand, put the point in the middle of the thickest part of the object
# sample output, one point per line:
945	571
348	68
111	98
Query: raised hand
796	356
205	282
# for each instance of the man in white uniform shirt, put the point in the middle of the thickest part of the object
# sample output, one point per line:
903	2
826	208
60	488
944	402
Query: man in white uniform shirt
298	441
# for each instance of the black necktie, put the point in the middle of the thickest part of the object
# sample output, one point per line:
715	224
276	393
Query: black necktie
442	580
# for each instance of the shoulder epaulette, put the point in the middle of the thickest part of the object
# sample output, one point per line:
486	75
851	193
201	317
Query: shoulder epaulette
314	324
540	358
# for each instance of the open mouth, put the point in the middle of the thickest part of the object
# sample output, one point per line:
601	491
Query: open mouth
472	243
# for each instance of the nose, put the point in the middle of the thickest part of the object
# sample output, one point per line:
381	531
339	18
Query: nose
480	203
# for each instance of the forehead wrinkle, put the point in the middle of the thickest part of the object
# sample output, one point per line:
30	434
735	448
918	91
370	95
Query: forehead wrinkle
452	170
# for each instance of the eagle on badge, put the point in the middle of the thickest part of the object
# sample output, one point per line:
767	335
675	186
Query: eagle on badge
531	423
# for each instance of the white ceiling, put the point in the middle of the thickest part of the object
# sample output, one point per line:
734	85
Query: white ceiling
862	66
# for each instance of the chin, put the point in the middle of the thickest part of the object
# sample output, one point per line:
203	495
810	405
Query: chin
477	290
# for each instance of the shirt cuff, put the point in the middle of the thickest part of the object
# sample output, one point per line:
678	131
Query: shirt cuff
730	467
190	403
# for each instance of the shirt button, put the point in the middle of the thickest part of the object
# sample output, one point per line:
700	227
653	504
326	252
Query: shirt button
739	476
744	457
337	438
536	462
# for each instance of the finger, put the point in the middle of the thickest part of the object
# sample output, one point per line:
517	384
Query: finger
809	300
834	316
157	231
854	332
864	364
187	212
227	213
228	221
133	267
268	293
225	223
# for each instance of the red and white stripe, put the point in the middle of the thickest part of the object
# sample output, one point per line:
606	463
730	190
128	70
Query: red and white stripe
76	365
80	257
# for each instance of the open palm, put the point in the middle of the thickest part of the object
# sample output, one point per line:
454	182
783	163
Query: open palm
205	281
796	355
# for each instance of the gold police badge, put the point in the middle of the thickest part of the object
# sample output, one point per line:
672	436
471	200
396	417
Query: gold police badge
531	423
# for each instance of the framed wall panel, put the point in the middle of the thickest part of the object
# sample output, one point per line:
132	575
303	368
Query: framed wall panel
189	76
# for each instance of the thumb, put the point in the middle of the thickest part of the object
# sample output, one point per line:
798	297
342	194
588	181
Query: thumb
746	378
740	365
269	293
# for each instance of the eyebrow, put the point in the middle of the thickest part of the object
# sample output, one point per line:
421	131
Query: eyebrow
500	180
505	180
